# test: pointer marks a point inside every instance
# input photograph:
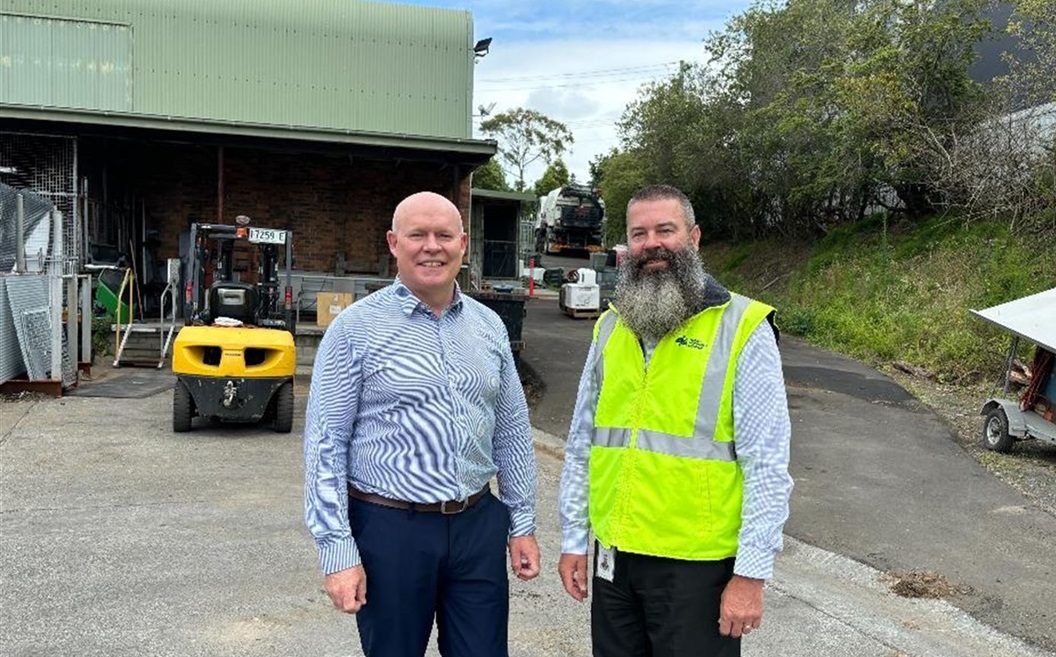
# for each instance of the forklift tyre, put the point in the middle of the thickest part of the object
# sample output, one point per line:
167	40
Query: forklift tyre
282	421
182	408
995	431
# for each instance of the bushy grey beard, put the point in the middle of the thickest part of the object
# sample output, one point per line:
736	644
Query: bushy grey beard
654	303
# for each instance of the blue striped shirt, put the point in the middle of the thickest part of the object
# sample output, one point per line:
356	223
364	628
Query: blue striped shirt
762	432
413	407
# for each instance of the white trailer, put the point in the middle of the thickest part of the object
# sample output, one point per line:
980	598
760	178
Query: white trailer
1032	318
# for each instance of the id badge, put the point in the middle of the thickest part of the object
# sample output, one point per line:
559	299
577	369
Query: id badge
606	567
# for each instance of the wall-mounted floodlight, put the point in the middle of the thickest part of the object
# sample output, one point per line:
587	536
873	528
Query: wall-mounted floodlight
481	48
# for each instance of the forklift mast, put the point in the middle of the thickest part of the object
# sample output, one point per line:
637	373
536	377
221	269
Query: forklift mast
273	245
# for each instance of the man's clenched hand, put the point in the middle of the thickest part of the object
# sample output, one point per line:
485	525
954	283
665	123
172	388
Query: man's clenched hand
741	609
573	571
347	589
524	557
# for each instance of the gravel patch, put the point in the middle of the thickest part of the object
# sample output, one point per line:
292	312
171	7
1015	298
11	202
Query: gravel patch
1030	467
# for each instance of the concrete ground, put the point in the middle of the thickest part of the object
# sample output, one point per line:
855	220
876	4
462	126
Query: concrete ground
119	537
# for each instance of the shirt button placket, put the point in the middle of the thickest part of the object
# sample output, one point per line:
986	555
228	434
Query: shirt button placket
459	424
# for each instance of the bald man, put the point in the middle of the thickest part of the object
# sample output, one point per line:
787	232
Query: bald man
415	405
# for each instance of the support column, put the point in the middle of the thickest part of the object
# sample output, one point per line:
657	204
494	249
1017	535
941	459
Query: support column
219	184
55	272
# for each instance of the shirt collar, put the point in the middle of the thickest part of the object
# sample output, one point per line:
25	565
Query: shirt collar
409	302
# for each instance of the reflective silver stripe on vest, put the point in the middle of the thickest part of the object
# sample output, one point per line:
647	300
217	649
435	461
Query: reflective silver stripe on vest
701	446
611	437
605	329
718	362
694	448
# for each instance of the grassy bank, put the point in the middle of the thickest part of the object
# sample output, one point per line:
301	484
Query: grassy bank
901	292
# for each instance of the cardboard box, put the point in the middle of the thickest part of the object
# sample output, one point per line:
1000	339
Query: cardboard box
329	305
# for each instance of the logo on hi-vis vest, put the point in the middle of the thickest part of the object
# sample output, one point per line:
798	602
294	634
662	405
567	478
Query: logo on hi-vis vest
689	342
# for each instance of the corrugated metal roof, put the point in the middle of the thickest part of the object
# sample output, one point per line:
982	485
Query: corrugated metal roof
1033	317
358	66
524	197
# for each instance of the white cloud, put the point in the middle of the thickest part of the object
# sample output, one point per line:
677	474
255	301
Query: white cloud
583	83
571	104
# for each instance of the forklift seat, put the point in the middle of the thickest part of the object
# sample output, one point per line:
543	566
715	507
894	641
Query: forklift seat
234	300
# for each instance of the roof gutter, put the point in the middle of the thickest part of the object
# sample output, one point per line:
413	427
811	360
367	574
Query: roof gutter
477	147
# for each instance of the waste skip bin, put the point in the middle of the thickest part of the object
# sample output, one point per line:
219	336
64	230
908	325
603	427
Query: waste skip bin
509	306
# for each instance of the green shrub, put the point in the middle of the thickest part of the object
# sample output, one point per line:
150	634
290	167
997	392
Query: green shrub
102	336
898	293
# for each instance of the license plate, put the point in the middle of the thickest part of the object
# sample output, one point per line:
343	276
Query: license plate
267	236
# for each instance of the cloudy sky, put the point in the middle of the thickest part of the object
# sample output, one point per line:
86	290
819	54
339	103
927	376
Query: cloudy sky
581	61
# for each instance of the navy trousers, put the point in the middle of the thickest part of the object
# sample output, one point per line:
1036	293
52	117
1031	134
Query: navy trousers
422	566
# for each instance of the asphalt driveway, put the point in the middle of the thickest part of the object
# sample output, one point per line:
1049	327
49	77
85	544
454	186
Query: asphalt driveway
879	478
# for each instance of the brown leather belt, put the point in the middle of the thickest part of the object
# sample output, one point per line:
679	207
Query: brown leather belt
448	507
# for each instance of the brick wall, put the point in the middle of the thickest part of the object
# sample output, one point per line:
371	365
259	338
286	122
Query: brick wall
332	204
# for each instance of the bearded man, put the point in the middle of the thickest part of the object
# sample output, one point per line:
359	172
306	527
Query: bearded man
677	456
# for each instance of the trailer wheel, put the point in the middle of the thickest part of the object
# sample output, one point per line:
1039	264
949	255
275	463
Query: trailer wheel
995	431
182	408
282	422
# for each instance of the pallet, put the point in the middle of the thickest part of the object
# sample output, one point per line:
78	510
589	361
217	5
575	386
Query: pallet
578	313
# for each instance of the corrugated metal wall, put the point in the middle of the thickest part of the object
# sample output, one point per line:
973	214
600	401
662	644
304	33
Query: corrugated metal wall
11	363
358	66
65	63
27	297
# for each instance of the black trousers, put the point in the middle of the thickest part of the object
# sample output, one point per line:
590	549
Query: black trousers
657	607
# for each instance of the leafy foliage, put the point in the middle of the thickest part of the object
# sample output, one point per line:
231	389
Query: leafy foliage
1033	22
813	114
556	175
622	175
526	136
491	176
898	294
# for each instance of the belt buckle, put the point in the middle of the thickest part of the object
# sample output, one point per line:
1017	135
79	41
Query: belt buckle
444	511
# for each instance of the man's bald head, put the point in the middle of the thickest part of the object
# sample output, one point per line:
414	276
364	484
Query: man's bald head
424	203
428	242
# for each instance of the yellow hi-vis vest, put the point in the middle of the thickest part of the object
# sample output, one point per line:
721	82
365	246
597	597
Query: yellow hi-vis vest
664	479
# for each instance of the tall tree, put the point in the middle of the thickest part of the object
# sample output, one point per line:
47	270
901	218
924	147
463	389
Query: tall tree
526	136
491	176
556	175
811	112
908	87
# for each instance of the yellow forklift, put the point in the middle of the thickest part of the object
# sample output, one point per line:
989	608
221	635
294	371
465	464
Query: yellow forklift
235	360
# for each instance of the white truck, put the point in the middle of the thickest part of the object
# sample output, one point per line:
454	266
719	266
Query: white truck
570	218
